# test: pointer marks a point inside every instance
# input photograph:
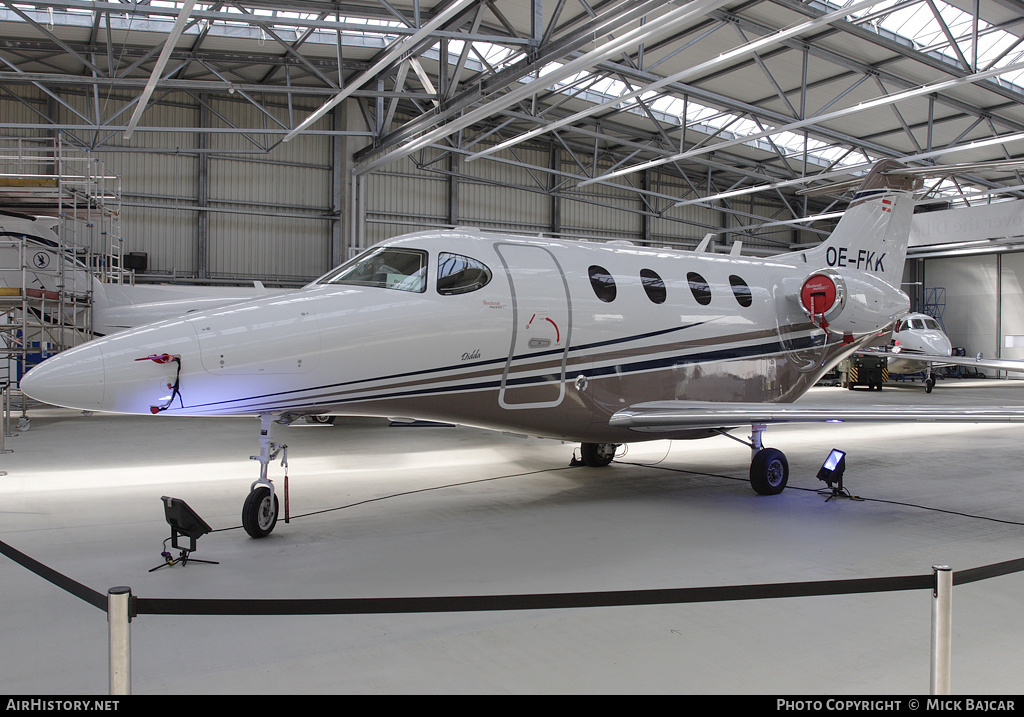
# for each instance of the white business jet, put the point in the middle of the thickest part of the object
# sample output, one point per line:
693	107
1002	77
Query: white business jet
919	335
919	345
601	344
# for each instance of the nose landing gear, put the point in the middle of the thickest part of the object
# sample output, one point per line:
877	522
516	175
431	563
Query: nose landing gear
261	507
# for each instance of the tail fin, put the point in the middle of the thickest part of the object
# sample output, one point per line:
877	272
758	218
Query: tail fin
873	233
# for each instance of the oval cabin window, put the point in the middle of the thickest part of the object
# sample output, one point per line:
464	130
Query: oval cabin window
603	283
653	285
700	288
741	291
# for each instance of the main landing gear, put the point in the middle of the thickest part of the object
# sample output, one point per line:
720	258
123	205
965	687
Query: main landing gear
769	469
261	507
595	455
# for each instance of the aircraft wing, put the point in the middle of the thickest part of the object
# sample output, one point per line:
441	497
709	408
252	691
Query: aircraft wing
995	364
667	416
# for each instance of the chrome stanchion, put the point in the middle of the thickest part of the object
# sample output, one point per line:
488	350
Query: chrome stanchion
119	619
942	630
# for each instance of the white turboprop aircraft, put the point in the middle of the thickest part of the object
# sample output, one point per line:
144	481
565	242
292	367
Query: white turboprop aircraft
600	343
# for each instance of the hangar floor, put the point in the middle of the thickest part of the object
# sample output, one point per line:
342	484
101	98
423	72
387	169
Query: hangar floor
454	511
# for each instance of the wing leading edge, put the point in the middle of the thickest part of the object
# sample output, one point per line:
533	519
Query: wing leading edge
668	416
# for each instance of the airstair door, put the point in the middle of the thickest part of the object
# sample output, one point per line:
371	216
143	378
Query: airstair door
534	375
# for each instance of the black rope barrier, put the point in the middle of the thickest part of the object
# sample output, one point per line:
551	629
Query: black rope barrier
479	603
972	575
94	598
540	601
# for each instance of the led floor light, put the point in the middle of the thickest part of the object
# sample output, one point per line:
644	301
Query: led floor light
831	472
184	522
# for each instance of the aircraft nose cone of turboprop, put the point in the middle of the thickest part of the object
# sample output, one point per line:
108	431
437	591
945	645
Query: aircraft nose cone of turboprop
73	379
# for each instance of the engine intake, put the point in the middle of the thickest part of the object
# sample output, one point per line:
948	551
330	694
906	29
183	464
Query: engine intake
849	304
823	296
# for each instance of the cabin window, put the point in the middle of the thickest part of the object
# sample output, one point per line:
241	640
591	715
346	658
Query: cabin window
457	274
741	291
385	268
653	285
603	283
700	288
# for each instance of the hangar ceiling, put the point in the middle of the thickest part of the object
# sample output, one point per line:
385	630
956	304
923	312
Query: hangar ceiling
727	98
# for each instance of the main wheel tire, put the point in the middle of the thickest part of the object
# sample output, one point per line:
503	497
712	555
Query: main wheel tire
258	516
597	455
769	471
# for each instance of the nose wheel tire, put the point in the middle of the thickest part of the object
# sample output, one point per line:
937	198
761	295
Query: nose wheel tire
769	471
259	515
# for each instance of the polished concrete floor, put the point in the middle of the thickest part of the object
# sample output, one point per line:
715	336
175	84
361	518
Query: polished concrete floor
384	511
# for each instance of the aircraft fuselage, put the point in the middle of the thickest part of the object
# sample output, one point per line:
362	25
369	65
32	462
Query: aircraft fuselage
540	336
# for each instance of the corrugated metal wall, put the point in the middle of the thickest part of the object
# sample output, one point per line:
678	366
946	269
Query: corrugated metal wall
409	195
504	196
267	214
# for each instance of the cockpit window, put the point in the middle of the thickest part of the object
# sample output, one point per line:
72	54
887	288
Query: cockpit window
918	323
457	274
384	267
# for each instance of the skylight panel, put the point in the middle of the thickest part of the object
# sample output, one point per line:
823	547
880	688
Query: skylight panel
917	23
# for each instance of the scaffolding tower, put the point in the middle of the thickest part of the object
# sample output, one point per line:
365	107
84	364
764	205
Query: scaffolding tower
46	306
934	303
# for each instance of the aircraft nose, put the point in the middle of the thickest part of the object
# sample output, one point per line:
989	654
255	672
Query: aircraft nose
134	371
72	379
941	346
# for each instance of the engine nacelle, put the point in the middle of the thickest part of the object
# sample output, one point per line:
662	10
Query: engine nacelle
850	304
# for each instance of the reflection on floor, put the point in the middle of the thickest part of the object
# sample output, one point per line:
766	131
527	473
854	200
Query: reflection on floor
379	511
